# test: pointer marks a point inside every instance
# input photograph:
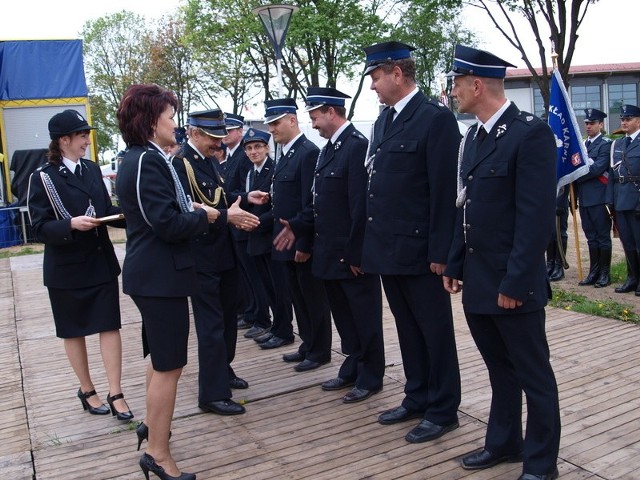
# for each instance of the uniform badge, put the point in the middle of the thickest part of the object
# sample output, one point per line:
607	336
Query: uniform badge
529	118
501	130
61	167
337	145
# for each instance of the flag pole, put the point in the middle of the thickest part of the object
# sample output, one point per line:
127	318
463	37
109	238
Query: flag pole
572	202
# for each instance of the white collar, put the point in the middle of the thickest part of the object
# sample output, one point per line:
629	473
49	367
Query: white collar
400	104
287	147
338	132
488	125
71	165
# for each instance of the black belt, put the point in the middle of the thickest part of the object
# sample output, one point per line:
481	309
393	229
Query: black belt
627	179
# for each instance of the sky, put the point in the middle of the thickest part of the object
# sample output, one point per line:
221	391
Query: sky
61	19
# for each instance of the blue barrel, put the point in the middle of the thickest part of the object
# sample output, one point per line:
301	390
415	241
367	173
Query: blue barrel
9	231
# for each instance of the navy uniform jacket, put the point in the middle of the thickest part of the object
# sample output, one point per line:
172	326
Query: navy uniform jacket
159	261
292	198
259	242
592	187
509	214
213	249
625	196
73	259
238	165
411	197
339	206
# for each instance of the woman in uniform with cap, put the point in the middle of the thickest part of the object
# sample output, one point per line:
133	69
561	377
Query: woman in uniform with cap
159	269
66	200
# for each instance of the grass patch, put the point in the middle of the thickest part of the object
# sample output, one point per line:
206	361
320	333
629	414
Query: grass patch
601	308
17	252
618	272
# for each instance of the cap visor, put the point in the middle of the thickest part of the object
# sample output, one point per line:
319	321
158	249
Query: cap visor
214	133
310	108
273	118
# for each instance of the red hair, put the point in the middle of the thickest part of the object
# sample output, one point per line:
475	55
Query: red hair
140	109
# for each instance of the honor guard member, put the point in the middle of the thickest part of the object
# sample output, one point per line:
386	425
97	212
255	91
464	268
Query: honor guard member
506	202
292	207
215	306
410	212
624	193
254	309
355	297
271	274
592	190
557	250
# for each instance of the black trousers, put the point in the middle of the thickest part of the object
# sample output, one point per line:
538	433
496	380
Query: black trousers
356	307
253	301
215	309
515	350
424	320
311	307
273	276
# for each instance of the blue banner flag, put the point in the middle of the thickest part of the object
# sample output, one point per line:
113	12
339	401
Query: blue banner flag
573	160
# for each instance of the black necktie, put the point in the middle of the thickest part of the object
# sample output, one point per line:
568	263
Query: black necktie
481	135
588	143
389	120
254	175
627	141
77	171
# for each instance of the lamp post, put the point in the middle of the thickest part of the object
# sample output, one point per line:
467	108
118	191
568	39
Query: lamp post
275	19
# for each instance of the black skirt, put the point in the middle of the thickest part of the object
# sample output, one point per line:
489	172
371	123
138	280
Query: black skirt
80	312
165	330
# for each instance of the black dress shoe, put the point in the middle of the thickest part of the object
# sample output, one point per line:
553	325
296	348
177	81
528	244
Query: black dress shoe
222	407
358	395
244	325
263	338
306	365
397	415
254	332
484	459
293	357
275	342
426	431
531	476
336	384
238	383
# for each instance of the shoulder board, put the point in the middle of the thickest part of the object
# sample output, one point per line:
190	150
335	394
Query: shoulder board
44	167
437	103
528	118
606	139
357	134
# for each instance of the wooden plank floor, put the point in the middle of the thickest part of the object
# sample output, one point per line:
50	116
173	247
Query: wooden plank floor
292	429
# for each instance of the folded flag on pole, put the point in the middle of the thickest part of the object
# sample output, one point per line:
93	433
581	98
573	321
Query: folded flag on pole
573	160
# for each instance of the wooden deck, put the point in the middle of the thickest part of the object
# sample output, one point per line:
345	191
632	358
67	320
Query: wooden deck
292	429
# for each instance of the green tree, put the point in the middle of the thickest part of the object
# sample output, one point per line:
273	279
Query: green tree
224	36
116	55
172	64
434	28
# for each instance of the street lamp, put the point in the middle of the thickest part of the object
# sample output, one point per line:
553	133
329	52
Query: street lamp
275	19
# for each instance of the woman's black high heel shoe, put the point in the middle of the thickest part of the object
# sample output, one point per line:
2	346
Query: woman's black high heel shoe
101	410
128	415
147	464
142	431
